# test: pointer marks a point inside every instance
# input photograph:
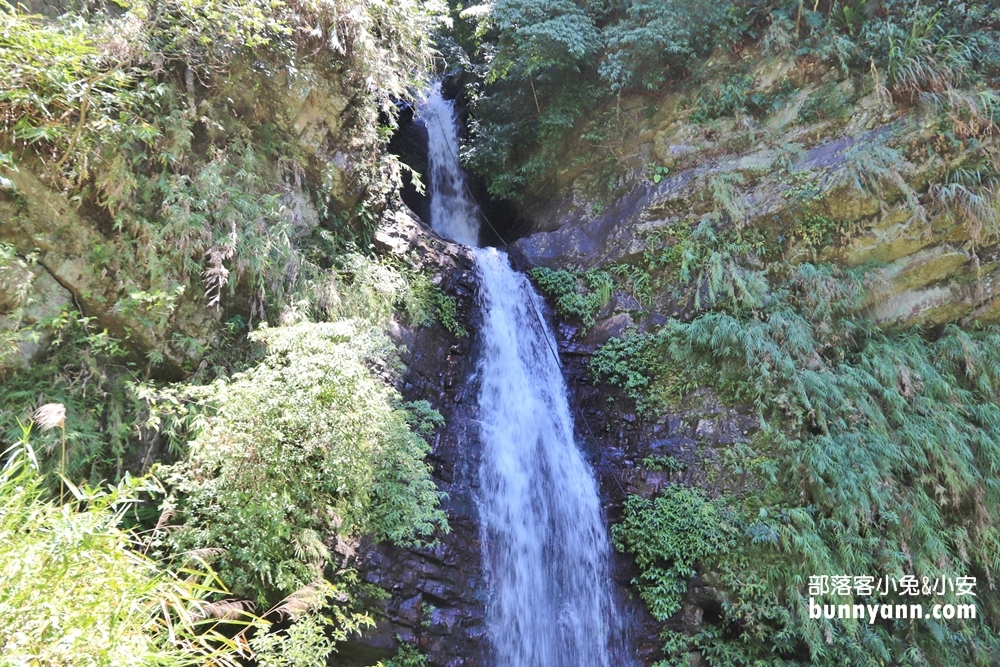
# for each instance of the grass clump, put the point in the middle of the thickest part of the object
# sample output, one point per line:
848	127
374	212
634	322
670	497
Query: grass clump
75	591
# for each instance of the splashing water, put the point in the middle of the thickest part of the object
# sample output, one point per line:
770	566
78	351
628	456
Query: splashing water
453	214
545	547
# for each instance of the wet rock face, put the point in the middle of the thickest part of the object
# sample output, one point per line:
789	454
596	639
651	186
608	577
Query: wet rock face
437	592
618	440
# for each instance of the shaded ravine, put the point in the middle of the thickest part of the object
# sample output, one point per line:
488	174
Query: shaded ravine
546	551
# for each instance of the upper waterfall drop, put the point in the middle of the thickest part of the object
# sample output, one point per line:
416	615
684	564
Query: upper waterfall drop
546	551
453	213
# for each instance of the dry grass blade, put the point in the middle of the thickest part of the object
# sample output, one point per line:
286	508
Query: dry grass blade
50	416
226	610
165	516
300	602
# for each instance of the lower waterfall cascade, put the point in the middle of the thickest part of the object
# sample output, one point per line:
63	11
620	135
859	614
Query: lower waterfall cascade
546	550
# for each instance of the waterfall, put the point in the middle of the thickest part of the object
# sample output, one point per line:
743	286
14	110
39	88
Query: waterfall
545	547
453	214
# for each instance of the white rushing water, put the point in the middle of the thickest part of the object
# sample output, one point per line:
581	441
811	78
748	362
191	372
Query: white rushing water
453	214
545	547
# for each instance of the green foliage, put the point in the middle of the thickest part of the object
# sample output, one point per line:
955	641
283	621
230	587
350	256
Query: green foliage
429	302
636	364
426	614
942	53
876	169
715	269
653	39
583	295
539	66
407	656
636	278
536	55
73	591
816	231
307	643
870	441
971	196
737	95
577	295
537	39
625	362
193	186
928	58
89	372
667	536
308	443
320	620
663	463
445	309
658	173
829	102
849	17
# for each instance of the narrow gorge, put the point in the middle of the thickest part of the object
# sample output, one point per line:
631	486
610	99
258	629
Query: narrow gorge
545	547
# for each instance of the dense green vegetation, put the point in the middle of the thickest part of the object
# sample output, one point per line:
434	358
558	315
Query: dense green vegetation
163	122
878	449
878	455
116	606
145	116
166	123
304	446
537	67
307	446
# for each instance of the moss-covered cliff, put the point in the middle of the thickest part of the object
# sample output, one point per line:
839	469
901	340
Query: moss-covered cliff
769	232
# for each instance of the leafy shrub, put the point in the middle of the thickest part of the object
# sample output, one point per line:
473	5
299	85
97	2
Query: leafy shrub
635	363
625	362
876	169
815	231
428	302
308	443
715	269
667	536
653	39
944	53
407	656
538	39
579	296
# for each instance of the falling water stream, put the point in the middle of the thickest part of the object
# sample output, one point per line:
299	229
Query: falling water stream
545	547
